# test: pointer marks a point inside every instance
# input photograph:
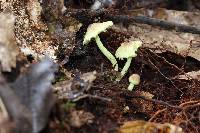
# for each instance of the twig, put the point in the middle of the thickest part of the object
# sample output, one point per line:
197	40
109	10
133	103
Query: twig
81	13
192	106
99	97
157	113
154	22
189	102
92	96
158	101
165	60
165	76
181	106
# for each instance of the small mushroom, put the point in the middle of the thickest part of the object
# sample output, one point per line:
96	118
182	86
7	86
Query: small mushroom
134	79
92	32
127	50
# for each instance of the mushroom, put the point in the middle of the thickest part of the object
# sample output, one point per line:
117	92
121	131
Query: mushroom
134	79
92	32
127	50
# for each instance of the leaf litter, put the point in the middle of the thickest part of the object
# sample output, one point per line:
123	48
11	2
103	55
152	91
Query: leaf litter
89	101
31	94
9	49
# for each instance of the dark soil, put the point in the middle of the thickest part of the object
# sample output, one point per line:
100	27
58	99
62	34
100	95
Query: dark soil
156	71
174	101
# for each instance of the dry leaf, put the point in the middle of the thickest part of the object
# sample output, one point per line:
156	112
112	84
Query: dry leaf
148	127
174	16
3	112
3	117
144	106
190	75
185	44
52	9
34	91
22	121
32	97
79	118
101	4
8	47
145	94
70	90
178	17
34	10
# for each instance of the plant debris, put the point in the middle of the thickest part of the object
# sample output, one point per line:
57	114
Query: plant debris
74	88
8	47
31	94
79	118
147	127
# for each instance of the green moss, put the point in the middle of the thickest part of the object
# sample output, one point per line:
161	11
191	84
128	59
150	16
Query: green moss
69	105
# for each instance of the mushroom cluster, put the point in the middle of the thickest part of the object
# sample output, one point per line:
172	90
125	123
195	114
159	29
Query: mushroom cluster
126	50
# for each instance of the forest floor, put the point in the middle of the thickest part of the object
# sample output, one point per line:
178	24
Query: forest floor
88	97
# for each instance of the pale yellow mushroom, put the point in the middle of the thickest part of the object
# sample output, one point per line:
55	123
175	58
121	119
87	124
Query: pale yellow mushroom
127	50
134	79
93	31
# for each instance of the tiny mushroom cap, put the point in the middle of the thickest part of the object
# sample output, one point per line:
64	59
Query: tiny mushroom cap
94	29
134	79
128	49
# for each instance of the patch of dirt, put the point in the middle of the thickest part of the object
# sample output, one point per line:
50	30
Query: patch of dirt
60	35
157	72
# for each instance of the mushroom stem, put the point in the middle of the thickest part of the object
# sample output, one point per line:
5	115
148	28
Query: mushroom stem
106	53
131	86
125	68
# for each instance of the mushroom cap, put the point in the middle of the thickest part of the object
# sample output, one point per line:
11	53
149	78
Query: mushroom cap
94	29
134	79
128	49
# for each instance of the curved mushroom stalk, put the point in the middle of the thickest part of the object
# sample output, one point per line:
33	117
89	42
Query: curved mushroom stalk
125	68
106	53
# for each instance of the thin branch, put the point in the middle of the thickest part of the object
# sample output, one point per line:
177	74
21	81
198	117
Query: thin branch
165	60
158	101
154	22
156	114
92	96
105	15
165	76
189	102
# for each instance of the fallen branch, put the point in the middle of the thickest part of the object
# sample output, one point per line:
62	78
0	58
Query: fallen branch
157	113
106	15
154	22
158	101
